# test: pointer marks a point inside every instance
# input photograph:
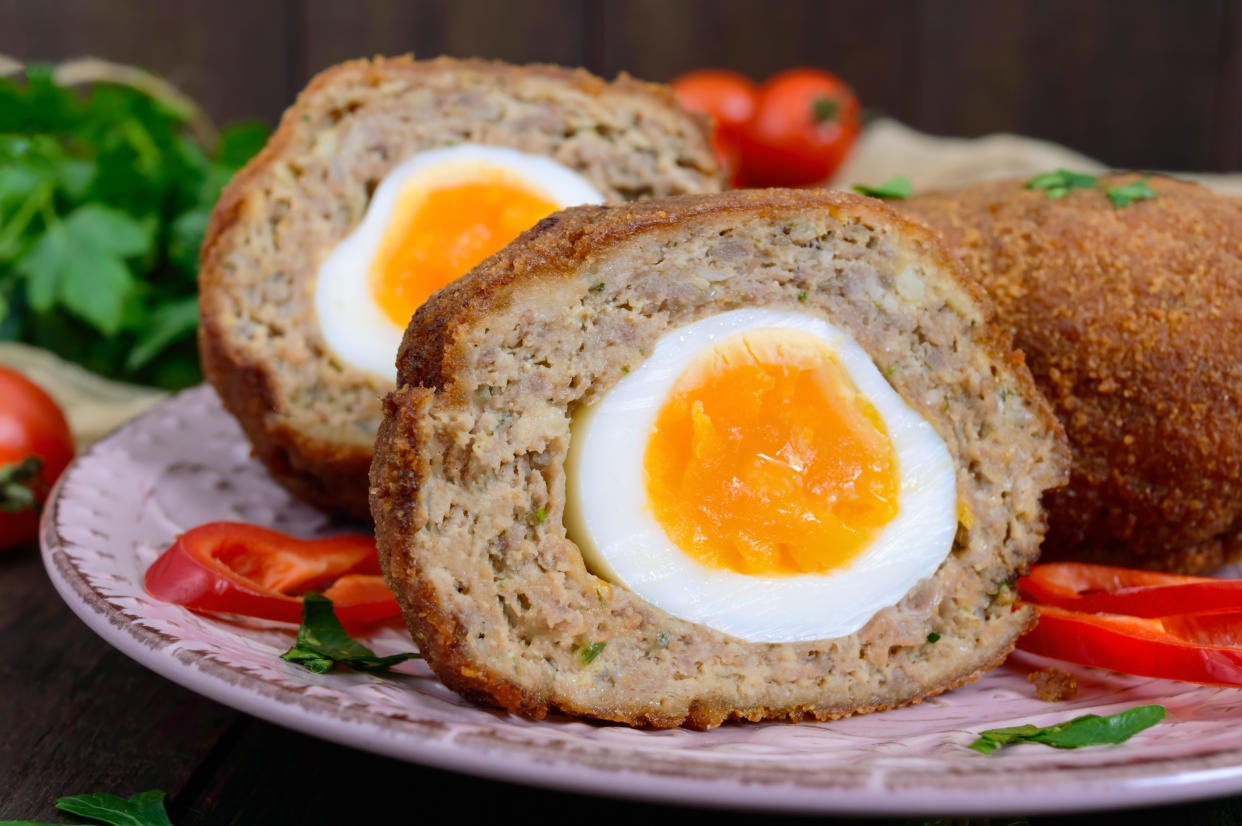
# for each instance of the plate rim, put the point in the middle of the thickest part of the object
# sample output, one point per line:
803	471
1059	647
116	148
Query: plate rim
1012	792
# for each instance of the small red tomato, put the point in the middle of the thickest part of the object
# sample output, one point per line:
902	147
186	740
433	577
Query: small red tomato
31	426
805	122
729	98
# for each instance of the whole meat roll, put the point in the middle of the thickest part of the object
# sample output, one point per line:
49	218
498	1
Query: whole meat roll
1127	316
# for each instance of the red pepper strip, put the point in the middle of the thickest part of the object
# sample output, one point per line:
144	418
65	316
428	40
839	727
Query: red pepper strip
364	598
1195	648
234	568
1092	589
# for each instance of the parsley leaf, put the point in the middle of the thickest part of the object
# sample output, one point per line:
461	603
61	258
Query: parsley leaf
323	642
1058	184
104	199
897	188
1129	193
240	142
81	263
1087	730
168	323
143	809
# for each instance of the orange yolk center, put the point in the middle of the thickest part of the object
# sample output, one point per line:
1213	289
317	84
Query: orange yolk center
767	460
440	229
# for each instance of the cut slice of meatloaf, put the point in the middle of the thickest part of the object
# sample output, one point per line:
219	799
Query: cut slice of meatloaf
468	486
311	416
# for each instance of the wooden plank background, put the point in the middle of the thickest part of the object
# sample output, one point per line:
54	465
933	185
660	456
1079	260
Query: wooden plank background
1135	83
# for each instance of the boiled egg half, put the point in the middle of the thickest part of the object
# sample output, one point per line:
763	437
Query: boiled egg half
758	475
430	220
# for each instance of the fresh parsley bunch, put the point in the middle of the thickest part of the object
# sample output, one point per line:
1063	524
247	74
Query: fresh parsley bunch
104	198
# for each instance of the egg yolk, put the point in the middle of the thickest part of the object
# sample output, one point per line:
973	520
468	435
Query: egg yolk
767	460
443	224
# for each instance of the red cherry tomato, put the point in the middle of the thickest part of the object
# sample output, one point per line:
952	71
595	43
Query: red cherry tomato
729	98
805	122
31	426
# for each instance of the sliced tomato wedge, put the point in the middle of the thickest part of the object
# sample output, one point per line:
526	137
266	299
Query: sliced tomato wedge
235	568
1078	586
1194	647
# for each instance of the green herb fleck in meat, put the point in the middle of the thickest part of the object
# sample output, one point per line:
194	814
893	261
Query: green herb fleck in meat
588	653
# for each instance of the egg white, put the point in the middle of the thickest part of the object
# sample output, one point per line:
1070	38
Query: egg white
354	326
607	513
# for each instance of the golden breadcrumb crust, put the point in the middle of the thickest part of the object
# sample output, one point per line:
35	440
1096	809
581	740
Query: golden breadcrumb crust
1131	321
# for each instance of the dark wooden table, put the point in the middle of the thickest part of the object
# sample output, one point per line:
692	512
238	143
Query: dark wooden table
77	716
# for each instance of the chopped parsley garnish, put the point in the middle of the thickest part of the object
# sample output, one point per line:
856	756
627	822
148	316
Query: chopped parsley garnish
1058	184
537	516
896	189
323	642
802	296
1087	730
933	637
598	288
1131	192
588	653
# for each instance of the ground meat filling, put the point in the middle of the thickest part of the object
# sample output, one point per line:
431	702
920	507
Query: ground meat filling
313	417
315	194
483	539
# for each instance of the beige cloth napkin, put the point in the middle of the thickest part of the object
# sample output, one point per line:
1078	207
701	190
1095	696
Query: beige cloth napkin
95	406
887	148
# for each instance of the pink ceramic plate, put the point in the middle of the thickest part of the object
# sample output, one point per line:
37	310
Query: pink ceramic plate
186	462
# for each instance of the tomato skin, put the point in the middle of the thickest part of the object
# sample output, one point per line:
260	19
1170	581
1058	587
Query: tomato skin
1196	648
803	126
729	99
31	424
1080	586
235	568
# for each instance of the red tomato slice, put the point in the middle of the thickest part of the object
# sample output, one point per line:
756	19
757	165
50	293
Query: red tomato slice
1078	586
234	568
1180	647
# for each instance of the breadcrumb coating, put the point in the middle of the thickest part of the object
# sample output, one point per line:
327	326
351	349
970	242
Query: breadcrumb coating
1130	319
